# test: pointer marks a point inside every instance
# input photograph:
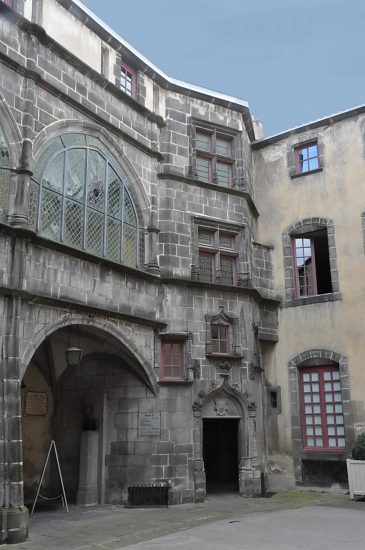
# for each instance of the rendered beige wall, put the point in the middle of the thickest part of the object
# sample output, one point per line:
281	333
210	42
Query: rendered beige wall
336	193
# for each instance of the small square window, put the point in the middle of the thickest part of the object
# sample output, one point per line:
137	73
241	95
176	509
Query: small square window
172	360
307	158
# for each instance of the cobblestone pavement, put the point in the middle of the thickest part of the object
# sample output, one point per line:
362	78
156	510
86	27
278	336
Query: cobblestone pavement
112	527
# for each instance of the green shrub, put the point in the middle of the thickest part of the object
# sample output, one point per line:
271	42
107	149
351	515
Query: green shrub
358	450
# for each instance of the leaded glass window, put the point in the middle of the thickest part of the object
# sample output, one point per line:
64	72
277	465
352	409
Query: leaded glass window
80	196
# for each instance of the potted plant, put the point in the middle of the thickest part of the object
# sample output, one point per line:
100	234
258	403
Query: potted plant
356	468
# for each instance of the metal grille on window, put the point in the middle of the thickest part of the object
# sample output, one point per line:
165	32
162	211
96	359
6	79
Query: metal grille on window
78	198
227	272
206	267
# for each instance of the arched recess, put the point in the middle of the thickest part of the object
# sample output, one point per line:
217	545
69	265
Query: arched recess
142	365
110	379
226	404
317	357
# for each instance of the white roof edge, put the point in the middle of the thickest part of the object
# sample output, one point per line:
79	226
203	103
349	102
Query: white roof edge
188	86
316	120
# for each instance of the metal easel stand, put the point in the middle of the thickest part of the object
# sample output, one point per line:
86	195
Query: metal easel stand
63	494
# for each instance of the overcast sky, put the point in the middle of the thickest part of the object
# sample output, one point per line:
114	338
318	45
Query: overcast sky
292	60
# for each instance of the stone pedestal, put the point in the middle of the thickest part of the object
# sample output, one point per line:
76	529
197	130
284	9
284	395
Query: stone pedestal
249	479
87	495
199	481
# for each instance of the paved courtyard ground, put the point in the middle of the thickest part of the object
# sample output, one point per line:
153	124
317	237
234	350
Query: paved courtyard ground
286	521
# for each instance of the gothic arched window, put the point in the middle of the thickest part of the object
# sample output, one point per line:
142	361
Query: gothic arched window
81	197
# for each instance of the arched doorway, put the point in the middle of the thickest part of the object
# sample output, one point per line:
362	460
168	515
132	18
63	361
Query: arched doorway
55	397
222	438
227	443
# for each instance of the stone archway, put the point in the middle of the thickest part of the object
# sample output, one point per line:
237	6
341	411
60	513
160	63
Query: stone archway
108	379
227	404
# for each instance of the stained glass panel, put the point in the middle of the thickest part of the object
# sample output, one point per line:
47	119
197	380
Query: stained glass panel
96	179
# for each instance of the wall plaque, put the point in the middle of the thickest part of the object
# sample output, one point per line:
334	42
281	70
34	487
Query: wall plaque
149	424
36	403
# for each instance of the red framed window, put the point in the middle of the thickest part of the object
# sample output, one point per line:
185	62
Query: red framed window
128	80
217	256
172	360
321	409
306	158
220	339
312	271
214	160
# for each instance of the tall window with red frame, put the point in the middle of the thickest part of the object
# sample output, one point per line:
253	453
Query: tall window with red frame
312	274
172	360
214	158
220	339
321	409
217	256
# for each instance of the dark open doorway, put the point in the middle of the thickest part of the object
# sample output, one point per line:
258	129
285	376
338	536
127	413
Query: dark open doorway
220	453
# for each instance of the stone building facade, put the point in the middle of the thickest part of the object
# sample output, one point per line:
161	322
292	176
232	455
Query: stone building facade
146	223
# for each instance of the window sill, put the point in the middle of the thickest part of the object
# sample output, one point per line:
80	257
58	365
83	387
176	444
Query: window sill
324	454
223	357
165	382
300	174
307	300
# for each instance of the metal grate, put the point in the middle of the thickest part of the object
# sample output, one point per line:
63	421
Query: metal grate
148	495
324	472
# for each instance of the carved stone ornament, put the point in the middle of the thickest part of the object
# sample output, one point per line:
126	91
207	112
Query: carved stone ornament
224	368
220	407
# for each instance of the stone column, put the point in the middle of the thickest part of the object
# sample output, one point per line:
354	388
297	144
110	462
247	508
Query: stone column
200	485
151	242
249	470
87	495
14	515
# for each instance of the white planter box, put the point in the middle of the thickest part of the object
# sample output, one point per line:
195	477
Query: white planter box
356	475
